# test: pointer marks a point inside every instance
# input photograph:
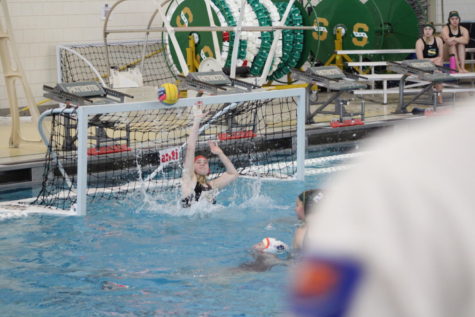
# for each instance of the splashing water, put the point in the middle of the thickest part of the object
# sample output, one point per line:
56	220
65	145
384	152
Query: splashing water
147	256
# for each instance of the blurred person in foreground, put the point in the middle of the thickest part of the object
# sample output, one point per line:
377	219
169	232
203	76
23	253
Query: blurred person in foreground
394	236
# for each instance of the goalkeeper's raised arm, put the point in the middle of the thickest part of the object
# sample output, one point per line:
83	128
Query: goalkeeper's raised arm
196	167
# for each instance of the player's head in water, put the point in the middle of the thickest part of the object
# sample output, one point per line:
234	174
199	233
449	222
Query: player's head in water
272	246
306	202
268	253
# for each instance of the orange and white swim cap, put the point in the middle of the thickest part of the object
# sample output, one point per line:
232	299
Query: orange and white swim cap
272	245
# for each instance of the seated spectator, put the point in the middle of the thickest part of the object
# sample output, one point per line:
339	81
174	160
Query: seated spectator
456	37
431	47
304	206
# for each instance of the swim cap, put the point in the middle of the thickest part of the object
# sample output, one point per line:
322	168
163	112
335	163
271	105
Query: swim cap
309	198
429	24
454	14
273	246
200	157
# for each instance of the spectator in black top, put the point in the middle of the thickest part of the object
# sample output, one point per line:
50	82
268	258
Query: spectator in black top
431	47
456	38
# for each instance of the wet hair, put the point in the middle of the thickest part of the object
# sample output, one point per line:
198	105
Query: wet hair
310	198
201	178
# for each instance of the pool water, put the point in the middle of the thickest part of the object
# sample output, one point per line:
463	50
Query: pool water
138	258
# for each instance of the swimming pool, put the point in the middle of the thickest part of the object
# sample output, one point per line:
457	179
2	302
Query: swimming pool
130	258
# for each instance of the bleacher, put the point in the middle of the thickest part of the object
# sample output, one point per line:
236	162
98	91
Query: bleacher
415	83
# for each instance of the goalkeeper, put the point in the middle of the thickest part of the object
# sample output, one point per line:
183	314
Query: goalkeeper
195	185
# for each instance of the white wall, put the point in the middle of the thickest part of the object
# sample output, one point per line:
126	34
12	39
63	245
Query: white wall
466	9
40	25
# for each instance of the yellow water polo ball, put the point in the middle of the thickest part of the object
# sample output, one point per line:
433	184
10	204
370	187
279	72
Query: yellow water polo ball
168	93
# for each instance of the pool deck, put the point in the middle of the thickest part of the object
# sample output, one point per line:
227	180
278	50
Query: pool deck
23	166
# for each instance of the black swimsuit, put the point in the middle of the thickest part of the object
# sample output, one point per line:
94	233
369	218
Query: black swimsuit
459	33
195	196
430	50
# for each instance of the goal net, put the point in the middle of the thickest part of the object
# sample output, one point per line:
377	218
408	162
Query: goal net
88	62
108	151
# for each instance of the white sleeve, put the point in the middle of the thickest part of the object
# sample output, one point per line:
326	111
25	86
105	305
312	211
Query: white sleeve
406	213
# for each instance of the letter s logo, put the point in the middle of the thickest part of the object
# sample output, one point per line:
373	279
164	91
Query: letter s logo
204	53
320	25
360	38
182	17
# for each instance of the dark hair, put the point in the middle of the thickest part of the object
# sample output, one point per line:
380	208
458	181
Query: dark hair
310	198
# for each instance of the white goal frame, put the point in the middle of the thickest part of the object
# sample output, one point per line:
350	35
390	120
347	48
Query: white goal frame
84	112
